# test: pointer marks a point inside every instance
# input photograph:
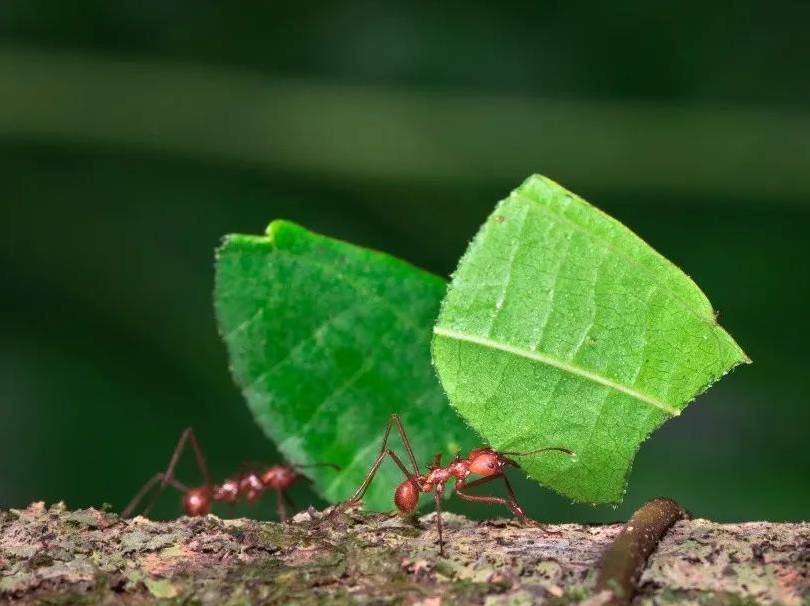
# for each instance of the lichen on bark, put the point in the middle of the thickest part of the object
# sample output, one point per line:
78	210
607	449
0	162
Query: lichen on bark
55	556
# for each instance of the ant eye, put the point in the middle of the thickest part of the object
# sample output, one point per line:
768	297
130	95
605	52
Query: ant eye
491	465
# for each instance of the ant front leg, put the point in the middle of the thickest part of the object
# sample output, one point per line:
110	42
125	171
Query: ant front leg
510	502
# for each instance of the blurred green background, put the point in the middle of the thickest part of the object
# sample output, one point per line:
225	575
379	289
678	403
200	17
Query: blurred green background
134	134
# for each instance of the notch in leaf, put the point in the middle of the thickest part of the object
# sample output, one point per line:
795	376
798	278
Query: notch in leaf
561	326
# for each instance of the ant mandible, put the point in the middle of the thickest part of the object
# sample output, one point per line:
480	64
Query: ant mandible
249	485
484	462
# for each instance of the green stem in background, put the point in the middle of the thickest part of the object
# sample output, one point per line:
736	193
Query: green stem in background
366	133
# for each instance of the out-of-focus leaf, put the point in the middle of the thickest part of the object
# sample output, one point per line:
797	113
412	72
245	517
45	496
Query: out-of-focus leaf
563	328
326	340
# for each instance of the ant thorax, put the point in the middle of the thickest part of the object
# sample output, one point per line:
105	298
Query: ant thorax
251	486
440	475
227	492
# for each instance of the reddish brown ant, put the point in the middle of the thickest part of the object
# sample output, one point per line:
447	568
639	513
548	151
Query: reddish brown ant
484	462
250	485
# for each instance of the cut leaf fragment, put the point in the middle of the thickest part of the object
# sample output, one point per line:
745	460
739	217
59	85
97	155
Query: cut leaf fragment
326	340
561	327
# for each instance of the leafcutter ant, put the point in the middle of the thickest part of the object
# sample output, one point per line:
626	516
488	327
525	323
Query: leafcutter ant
249	485
484	462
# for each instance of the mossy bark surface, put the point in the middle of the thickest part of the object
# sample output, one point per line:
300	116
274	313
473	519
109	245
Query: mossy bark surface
55	556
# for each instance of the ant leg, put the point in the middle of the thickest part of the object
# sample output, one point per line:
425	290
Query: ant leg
281	507
437	460
438	495
395	419
515	507
288	499
358	494
155	479
167	477
187	436
511	503
133	504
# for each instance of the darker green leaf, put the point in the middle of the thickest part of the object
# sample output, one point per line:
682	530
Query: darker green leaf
326	340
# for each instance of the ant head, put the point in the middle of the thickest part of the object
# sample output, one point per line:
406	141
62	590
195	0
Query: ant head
197	502
279	476
486	462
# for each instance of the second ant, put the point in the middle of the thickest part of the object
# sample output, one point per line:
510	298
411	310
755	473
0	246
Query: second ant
249	485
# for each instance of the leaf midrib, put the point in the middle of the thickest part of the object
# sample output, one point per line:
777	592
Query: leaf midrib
572	369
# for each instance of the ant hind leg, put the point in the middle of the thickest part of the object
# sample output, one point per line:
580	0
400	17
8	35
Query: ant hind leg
160	480
187	436
357	497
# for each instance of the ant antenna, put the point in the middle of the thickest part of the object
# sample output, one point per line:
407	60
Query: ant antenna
539	450
332	465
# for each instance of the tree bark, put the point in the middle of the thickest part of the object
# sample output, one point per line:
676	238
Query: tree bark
52	555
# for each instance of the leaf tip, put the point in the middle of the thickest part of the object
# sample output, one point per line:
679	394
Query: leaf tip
278	227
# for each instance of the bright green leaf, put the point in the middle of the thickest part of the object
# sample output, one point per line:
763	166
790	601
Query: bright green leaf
563	328
326	340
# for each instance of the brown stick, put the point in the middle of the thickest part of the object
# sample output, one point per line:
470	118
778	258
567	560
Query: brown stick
625	559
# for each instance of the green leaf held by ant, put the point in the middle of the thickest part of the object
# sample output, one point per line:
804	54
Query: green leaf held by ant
562	327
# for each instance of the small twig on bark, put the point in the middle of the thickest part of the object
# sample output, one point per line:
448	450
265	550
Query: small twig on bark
627	556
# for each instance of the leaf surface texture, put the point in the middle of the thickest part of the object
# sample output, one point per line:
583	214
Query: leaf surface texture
326	340
561	327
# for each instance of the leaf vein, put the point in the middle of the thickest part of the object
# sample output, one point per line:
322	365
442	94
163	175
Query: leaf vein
558	364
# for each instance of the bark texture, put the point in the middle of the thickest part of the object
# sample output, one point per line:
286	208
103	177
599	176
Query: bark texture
55	556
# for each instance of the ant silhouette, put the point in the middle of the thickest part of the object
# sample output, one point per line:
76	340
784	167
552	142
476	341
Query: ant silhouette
484	462
250	484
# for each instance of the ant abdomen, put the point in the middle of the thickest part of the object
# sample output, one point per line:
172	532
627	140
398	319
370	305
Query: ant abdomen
196	502
406	496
